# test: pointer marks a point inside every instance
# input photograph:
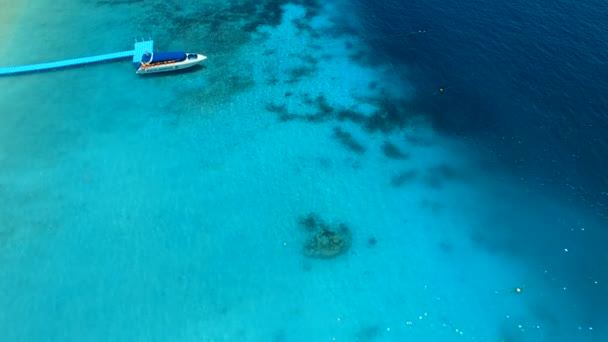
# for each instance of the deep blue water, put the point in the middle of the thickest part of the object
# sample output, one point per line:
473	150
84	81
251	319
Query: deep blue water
525	80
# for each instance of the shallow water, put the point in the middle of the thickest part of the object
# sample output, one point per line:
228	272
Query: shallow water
168	207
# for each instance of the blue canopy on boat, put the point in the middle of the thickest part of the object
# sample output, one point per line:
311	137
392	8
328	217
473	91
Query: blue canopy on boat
163	56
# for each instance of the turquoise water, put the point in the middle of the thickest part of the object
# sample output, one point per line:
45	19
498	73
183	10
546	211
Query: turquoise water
167	208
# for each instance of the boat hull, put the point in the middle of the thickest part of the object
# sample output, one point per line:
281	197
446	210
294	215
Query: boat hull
191	60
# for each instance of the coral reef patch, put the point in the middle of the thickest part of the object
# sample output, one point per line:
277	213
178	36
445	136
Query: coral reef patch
393	152
326	241
348	141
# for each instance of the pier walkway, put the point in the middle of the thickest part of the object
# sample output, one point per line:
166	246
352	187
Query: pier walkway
139	49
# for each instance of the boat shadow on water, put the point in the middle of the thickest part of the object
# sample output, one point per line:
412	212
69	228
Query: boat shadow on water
191	69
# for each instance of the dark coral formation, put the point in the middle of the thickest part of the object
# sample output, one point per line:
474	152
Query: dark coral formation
276	108
325	243
348	140
259	13
351	115
393	152
324	108
389	117
296	74
311	222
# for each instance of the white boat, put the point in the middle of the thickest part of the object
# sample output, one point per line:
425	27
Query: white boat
153	62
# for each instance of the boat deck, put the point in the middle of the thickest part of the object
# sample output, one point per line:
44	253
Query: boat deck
139	49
